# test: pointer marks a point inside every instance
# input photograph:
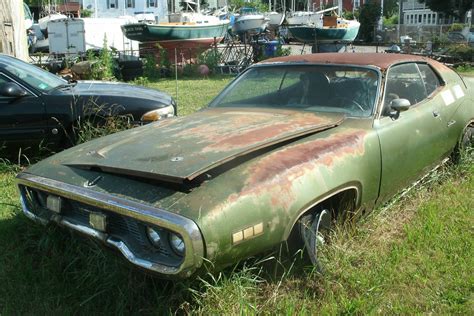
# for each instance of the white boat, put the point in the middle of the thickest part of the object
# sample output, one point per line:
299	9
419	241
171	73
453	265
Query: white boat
303	17
43	22
275	18
250	22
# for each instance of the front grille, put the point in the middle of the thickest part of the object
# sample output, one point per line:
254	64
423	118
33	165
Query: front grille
130	231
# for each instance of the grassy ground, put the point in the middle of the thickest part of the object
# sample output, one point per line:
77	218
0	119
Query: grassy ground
416	256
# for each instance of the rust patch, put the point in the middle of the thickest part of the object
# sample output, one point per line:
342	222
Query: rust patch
249	130
275	175
259	134
325	150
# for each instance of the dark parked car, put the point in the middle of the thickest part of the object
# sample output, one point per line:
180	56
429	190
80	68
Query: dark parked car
289	145
39	107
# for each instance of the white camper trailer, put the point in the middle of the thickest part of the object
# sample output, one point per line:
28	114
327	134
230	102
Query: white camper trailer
76	36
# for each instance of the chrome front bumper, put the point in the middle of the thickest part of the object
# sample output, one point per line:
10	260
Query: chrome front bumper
187	228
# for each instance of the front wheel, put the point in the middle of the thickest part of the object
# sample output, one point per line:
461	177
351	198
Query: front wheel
314	229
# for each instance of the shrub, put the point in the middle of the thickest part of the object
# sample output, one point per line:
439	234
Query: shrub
462	52
456	27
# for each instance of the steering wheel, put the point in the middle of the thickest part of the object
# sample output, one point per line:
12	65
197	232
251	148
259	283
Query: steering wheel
338	101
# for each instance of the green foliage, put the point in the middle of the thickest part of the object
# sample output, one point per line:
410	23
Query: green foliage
369	16
103	65
149	67
390	8
349	15
89	129
456	27
85	13
211	58
257	4
465	69
456	8
463	52
392	20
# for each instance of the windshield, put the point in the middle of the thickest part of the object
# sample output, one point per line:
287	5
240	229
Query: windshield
34	76
342	89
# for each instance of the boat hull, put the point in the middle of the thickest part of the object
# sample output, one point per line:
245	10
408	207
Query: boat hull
311	34
275	19
252	24
175	32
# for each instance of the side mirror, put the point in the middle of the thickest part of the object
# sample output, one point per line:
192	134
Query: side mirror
397	106
12	90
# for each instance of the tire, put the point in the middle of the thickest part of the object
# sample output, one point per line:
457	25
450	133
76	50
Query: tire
131	64
131	73
314	229
465	143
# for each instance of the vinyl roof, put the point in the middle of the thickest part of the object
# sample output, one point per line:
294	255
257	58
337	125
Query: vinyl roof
380	60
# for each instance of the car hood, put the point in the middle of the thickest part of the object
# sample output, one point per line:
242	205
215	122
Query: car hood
100	88
180	149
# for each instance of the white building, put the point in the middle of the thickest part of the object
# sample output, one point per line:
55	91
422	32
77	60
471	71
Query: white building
416	13
115	8
12	29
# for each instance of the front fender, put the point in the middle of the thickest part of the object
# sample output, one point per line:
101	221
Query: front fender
254	206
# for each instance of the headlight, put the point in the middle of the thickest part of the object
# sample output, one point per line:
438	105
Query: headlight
177	244
154	237
158	114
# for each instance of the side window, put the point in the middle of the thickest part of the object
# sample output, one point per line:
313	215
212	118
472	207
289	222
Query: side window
430	79
404	82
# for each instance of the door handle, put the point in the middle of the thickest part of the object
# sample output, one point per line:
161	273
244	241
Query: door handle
436	113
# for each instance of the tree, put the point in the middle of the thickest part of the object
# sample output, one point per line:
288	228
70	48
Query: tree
390	8
368	18
455	8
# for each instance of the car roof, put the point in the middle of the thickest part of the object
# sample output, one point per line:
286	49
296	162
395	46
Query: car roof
379	60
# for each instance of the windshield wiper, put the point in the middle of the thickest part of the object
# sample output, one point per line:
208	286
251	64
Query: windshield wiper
64	86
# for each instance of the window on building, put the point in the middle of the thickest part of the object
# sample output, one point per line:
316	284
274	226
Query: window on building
419	18
152	3
130	4
356	4
112	4
429	18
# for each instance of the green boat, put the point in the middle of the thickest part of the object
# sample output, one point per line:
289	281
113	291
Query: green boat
199	32
340	31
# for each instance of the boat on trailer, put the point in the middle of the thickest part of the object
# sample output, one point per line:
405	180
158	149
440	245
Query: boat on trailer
190	29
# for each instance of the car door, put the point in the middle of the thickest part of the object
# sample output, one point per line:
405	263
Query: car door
412	142
22	120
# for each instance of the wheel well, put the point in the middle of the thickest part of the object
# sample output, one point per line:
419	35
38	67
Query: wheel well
342	207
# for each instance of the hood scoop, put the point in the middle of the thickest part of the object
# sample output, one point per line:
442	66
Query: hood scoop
179	150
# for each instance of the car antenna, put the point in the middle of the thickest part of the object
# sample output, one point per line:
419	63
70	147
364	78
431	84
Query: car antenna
176	77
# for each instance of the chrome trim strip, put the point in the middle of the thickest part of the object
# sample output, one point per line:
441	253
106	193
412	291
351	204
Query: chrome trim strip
187	228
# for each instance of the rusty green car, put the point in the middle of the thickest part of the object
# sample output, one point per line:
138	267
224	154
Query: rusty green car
286	147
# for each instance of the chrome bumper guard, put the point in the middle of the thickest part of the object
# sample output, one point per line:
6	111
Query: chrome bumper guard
145	213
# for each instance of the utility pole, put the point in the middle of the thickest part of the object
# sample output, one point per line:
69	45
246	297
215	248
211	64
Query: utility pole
381	16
